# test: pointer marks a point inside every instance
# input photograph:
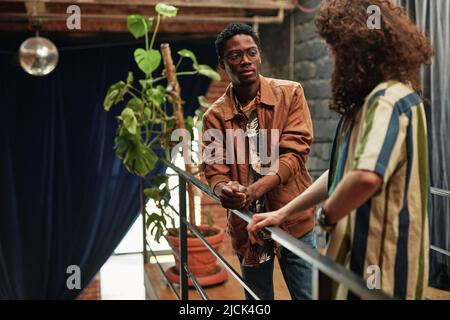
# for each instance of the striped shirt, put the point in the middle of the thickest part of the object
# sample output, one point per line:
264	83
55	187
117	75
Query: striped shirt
389	232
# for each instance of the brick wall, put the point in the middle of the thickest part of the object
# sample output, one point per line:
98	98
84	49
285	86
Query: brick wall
312	67
93	291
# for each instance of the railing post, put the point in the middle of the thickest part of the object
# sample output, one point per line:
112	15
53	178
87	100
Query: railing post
315	283
183	241
144	230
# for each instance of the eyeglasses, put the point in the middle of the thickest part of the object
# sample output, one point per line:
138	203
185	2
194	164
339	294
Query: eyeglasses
235	57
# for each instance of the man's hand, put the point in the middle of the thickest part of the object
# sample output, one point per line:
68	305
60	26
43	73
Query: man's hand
262	220
232	195
250	196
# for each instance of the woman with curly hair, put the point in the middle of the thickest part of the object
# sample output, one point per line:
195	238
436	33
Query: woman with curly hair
376	190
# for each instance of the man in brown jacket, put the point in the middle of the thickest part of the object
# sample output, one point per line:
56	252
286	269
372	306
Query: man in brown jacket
254	115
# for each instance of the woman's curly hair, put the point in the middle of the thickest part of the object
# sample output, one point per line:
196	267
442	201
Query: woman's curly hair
366	57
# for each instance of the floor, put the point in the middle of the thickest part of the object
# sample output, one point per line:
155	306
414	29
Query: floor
231	289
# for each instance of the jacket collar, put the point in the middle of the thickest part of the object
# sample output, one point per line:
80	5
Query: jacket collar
267	98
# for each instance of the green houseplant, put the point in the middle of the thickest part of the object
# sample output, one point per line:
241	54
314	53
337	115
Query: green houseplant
144	123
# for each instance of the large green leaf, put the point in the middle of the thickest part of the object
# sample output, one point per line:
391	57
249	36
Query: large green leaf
207	71
136	156
166	10
147	61
135	104
115	94
129	120
139	25
188	54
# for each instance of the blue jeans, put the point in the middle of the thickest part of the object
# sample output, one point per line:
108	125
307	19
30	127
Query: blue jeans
296	272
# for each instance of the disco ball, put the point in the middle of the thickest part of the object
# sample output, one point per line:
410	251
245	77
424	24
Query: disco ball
38	56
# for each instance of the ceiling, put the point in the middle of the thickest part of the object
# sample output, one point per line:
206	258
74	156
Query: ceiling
194	17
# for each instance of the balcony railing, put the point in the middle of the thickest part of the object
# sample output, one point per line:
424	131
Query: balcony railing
319	262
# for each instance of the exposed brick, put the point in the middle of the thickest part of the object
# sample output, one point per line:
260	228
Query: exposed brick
310	50
316	89
324	68
305	32
92	291
305	70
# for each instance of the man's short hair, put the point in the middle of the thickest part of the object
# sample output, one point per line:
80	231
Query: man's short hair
230	31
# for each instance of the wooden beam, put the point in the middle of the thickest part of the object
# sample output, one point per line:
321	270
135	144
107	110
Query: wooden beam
244	4
90	26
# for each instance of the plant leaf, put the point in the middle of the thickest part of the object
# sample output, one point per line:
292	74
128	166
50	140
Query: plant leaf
129	120
147	61
166	10
188	54
203	102
159	180
152	193
137	25
207	71
135	104
115	94
156	95
130	78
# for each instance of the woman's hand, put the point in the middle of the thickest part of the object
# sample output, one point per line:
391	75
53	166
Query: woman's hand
259	221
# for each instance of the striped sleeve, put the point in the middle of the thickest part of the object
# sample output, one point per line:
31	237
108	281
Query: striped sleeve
383	136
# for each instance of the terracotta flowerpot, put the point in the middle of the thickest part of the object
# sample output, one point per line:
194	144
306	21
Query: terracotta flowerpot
201	261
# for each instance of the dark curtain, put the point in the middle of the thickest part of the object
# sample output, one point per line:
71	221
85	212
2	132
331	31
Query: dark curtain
65	199
433	16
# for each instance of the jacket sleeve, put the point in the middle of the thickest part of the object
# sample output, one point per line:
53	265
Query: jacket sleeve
296	137
213	151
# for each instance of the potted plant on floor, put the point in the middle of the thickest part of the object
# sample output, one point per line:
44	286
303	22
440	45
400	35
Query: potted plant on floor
144	124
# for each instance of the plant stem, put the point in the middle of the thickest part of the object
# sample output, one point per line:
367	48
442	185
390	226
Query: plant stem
159	79
156	31
132	94
179	62
187	73
146	35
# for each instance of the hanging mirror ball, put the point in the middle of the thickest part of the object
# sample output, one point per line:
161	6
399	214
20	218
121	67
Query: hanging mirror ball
38	56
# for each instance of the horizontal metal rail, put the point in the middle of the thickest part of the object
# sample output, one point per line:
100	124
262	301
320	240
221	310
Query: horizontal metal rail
445	194
220	258
440	192
334	270
440	250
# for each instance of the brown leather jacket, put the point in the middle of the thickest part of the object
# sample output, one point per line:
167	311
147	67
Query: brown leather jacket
283	107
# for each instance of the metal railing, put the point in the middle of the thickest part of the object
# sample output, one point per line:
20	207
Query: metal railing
320	263
445	194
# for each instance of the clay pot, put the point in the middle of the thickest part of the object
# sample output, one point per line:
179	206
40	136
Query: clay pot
201	261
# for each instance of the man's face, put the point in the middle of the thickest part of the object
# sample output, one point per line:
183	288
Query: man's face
241	59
